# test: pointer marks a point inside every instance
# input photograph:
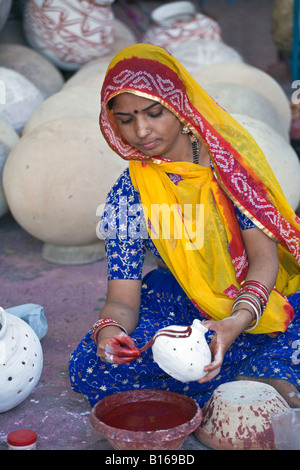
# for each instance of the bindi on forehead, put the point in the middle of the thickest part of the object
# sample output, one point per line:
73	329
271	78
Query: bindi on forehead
135	111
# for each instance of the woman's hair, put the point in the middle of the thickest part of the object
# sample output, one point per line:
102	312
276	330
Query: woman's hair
110	103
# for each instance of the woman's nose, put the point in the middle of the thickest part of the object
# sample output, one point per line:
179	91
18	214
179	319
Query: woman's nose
142	128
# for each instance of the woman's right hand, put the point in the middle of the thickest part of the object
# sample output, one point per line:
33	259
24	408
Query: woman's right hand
117	349
123	305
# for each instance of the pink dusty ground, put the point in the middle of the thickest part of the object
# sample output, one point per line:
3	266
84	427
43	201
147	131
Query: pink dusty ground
71	297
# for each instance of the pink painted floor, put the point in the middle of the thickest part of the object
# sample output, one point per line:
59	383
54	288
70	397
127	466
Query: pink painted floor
71	297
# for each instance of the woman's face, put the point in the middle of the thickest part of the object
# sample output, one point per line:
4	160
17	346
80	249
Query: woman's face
150	127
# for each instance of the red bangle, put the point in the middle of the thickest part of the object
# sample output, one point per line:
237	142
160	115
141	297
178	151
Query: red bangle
258	287
256	283
103	323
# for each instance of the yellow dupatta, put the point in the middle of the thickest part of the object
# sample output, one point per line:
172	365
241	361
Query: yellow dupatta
204	251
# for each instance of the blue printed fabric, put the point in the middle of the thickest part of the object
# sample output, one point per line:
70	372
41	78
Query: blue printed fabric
164	303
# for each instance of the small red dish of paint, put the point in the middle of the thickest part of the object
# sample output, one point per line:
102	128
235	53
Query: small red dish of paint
146	419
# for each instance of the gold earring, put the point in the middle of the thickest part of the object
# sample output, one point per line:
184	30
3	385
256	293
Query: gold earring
185	130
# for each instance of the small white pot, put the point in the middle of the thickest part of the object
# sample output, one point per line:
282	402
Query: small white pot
184	358
21	360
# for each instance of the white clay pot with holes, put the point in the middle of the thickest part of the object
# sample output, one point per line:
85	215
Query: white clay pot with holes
182	352
21	360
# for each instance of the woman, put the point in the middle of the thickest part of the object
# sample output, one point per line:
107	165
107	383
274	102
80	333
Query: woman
201	197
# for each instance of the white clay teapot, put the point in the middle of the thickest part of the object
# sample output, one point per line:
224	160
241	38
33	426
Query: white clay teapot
21	360
182	352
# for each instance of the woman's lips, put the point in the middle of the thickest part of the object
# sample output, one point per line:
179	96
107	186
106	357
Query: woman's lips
148	145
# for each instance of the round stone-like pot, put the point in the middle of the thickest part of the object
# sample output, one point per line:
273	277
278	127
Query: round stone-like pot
280	155
8	139
33	66
56	177
240	99
251	77
77	101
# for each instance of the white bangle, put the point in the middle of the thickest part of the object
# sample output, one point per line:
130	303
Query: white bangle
256	311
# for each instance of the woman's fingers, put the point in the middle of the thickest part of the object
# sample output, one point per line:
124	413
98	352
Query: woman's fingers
118	350
125	341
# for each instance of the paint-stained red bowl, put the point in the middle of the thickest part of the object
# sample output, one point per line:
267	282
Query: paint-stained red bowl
146	419
238	417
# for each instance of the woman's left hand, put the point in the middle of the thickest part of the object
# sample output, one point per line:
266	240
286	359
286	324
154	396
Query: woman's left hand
227	331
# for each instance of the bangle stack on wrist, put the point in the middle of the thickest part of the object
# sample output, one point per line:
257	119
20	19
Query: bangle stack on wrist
256	295
103	323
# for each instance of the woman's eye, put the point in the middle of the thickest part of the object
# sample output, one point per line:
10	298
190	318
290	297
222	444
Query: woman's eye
127	121
156	114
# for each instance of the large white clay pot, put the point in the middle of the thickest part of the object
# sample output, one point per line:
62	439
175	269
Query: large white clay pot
8	139
89	72
19	98
123	38
239	99
70	32
33	66
198	53
76	101
21	360
280	155
251	77
57	176
170	31
93	80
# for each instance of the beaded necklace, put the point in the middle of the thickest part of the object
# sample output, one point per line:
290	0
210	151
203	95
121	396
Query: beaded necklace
196	151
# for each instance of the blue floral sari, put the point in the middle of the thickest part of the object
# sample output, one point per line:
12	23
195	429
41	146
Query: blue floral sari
164	303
